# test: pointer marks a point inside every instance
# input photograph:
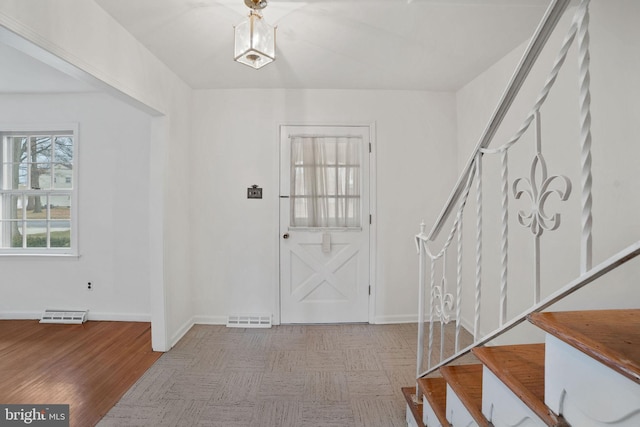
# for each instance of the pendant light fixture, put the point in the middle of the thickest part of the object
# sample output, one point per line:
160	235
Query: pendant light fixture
255	40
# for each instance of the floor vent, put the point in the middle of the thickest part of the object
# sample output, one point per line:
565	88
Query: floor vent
64	316
249	321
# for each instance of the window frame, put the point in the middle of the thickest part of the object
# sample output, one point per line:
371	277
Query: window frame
26	129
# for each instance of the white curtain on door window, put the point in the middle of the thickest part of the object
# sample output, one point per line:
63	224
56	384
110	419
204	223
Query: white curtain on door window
325	181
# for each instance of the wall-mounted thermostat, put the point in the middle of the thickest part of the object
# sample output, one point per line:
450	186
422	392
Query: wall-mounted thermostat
254	192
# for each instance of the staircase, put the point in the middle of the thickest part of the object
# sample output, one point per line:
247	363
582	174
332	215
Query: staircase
587	373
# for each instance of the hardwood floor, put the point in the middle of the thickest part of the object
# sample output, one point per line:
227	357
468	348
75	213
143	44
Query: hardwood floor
87	366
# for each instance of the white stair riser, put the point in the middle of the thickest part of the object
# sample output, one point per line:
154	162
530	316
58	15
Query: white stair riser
502	407
411	422
457	414
429	418
586	392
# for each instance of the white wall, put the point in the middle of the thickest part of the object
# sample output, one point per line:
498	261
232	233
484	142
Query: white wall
112	146
83	40
615	90
235	145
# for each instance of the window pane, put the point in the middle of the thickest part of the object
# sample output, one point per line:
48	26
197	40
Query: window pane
14	176
40	176
326	171
352	181
298	184
41	149
36	234
60	207
10	155
353	212
37	207
63	175
60	234
23	176
342	179
14	210
63	150
342	152
353	151
331	209
13	230
299	212
16	149
329	148
330	182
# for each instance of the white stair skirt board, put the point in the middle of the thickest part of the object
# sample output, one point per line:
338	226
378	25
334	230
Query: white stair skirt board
457	413
586	392
411	422
249	321
429	417
502	407
64	316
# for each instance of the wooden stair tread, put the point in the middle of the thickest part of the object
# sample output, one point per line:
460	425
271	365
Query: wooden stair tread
521	369
435	391
416	409
466	382
612	337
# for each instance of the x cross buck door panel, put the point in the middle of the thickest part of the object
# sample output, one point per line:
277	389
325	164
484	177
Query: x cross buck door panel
324	224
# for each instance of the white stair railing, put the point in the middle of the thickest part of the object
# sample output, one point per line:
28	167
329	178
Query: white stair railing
538	186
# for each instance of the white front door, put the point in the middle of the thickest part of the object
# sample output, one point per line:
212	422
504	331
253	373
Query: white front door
324	224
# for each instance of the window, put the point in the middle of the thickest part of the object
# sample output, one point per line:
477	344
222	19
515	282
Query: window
325	181
38	192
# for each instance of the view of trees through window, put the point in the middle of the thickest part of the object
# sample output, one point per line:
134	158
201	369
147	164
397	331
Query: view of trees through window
36	184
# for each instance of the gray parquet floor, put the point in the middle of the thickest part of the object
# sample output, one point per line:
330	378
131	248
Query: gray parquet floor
285	376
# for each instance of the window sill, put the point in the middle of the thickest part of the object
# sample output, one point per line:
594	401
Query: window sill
38	255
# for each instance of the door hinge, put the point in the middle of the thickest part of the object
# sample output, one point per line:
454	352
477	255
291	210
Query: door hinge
369	147
369	289
370	219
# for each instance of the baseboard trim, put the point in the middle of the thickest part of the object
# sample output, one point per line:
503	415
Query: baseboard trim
210	320
407	318
466	324
92	315
395	318
20	315
181	332
119	317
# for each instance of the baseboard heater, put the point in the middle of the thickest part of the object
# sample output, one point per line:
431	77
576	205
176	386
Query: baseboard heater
64	316
249	321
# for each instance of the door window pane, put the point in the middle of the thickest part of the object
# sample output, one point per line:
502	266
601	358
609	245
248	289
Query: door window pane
325	178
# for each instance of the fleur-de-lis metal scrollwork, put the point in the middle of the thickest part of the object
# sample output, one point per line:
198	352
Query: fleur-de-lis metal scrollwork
539	187
443	303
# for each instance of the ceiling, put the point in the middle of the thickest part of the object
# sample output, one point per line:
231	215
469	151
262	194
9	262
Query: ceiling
334	44
321	44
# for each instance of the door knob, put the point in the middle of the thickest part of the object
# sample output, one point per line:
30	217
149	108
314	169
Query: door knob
285	236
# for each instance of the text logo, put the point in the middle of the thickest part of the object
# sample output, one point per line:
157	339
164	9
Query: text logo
34	415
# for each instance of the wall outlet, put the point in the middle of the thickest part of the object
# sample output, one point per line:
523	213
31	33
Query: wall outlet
89	286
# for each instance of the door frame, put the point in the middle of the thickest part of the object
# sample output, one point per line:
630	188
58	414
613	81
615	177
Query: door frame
372	211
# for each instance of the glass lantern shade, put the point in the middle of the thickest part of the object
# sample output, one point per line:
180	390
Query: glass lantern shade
255	42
